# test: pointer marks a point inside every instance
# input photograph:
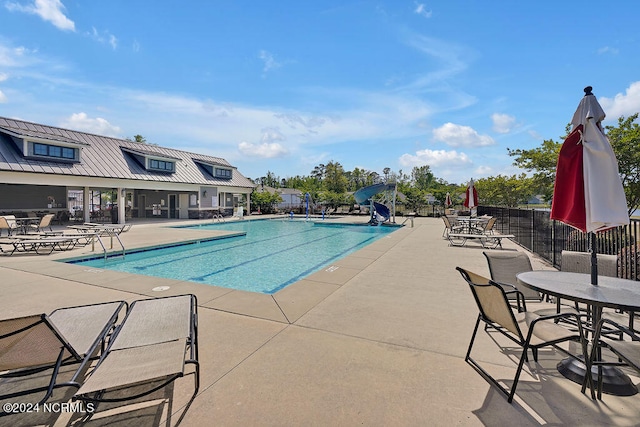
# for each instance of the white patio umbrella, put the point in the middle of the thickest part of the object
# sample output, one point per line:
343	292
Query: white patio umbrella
588	192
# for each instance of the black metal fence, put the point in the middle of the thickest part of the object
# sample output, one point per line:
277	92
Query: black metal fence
537	232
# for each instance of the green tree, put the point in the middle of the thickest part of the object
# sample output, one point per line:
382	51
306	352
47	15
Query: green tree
422	177
415	199
332	199
334	178
542	161
504	190
318	172
265	201
625	141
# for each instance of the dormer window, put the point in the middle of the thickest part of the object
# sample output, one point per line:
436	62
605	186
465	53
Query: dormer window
151	161
161	165
38	146
223	173
214	170
47	150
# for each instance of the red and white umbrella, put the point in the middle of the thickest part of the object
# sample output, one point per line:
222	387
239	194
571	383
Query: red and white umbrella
447	200
471	196
588	192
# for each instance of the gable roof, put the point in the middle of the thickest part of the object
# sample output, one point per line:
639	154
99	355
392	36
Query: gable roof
105	157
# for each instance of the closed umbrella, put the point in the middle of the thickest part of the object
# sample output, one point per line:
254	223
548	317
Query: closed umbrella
471	196
588	193
447	200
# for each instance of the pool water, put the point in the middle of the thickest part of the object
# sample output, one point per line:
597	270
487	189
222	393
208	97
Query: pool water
272	254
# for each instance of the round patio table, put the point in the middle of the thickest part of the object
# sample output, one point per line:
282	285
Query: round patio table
471	223
610	292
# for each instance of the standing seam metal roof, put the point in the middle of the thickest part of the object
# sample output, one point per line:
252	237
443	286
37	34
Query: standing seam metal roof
104	157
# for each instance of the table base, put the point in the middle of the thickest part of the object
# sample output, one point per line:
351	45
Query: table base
614	381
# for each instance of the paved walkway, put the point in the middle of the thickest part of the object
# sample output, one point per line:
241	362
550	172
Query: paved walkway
378	341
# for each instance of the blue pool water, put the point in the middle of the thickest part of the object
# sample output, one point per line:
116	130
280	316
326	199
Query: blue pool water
272	254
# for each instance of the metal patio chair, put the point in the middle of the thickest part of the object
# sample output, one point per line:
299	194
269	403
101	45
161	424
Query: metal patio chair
527	329
580	262
628	351
450	226
504	266
36	343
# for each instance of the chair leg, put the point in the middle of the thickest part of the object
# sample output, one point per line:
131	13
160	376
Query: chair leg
473	338
517	377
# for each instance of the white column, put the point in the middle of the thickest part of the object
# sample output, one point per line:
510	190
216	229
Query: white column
121	205
86	203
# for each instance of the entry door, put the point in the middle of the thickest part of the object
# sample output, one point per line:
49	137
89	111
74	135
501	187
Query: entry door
142	204
173	204
183	205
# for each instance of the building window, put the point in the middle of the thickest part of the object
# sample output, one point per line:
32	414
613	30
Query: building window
46	150
223	173
161	165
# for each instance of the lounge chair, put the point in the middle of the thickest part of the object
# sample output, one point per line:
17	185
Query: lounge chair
485	227
40	245
45	222
450	226
152	345
527	329
70	335
8	222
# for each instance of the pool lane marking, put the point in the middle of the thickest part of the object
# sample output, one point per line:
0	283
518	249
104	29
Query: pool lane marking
213	273
208	253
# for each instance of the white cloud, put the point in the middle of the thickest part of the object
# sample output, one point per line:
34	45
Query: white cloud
269	61
608	49
422	10
271	134
3	98
483	171
461	136
103	37
49	10
502	123
16	56
622	104
100	126
265	150
435	158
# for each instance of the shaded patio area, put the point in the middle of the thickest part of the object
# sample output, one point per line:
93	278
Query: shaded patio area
378	339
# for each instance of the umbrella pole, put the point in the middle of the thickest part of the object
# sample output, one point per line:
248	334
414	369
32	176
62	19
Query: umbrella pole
594	259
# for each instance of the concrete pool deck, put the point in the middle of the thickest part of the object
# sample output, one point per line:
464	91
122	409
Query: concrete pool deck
378	338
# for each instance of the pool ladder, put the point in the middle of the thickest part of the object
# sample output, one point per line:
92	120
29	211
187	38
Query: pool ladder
104	249
409	218
218	218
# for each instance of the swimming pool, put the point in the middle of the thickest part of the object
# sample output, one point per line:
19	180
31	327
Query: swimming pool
271	255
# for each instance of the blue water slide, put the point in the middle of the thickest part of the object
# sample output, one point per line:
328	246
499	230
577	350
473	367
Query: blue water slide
363	195
382	210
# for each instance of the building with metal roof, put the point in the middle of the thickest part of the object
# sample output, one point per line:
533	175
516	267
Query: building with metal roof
45	168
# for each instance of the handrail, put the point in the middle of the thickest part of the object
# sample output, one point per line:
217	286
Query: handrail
217	218
407	219
111	235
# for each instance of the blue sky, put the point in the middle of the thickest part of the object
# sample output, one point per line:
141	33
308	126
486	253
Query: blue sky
282	86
